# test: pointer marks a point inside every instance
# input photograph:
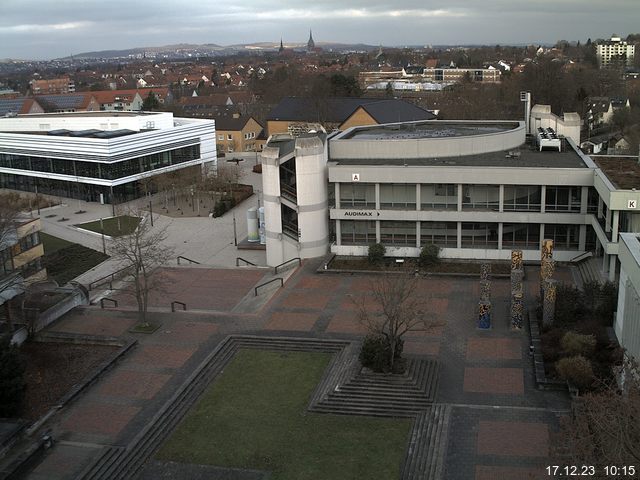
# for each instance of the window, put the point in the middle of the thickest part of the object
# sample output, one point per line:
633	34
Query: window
522	198
565	237
479	235
439	196
357	195
521	235
562	199
398	196
229	136
220	137
357	232
481	197
443	234
398	233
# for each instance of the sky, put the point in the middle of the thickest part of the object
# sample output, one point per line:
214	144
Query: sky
45	29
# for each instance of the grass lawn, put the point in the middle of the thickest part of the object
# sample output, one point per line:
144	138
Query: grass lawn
65	260
254	416
127	225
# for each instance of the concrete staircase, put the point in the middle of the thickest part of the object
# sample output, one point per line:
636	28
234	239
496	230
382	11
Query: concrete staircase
425	455
589	270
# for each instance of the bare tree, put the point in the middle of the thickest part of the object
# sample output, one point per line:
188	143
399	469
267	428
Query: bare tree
11	280
604	428
142	252
402	308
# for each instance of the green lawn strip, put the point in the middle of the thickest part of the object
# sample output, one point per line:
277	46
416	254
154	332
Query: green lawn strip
67	263
254	416
128	225
52	244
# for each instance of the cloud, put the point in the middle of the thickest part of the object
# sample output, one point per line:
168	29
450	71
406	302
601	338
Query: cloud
25	28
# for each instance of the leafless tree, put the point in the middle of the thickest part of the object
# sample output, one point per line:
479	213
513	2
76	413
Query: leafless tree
604	428
10	280
401	308
142	252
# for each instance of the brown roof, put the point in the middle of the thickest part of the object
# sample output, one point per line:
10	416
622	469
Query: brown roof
111	96
624	172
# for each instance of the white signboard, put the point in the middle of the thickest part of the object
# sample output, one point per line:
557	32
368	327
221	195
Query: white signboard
355	177
632	204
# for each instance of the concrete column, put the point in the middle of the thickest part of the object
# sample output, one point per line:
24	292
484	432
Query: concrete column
584	200
615	224
459	234
605	259
338	232
418	234
337	194
418	197
600	206
378	202
500	233
459	198
582	239
541	235
501	203
543	200
377	231
607	220
612	267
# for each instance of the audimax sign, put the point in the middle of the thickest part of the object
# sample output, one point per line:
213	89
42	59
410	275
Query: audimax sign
361	213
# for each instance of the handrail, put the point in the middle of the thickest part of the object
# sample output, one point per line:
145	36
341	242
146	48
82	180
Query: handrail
111	278
582	256
238	259
173	305
267	283
275	270
187	259
115	302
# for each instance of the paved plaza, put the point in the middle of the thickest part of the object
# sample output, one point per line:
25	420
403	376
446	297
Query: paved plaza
500	426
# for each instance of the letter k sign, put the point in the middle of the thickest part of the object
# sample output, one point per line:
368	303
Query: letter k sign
632	204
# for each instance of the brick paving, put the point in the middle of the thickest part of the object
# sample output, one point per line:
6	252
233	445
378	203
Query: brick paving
500	424
494	380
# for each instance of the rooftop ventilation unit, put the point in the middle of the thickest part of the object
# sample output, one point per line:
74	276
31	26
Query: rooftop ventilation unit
548	139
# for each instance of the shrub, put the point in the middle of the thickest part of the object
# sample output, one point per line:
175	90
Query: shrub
569	305
377	252
576	370
429	255
12	383
576	344
376	354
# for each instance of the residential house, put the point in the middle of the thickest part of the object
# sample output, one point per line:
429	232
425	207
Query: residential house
53	86
297	115
120	100
71	102
238	133
19	106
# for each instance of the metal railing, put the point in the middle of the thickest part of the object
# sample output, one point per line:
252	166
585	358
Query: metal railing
255	290
275	270
187	259
240	259
102	300
107	279
182	304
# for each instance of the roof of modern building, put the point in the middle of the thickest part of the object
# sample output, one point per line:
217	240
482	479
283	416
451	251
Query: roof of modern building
623	172
526	156
338	109
438	129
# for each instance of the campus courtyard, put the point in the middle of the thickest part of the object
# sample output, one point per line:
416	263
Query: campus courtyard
226	388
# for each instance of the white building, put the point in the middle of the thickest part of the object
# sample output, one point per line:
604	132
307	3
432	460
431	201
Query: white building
611	51
99	156
627	322
478	189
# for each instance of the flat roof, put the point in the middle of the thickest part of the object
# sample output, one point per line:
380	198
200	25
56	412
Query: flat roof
429	129
101	113
526	156
623	172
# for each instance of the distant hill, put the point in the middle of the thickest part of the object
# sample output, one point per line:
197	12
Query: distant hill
187	49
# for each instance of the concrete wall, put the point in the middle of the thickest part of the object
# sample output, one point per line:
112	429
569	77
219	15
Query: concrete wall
78	121
569	125
627	322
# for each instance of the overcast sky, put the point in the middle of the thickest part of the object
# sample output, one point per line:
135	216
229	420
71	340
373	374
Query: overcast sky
42	29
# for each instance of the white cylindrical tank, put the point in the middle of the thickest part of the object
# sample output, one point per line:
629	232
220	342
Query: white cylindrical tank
252	225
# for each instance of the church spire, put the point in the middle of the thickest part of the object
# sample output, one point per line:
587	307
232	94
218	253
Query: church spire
311	44
281	49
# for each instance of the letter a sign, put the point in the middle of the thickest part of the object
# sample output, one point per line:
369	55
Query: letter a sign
355	177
